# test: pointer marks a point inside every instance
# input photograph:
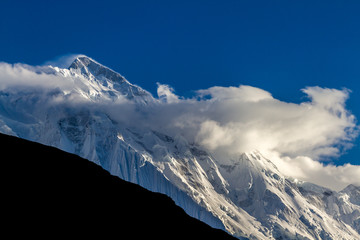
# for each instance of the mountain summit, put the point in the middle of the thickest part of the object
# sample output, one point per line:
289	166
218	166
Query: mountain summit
246	194
90	67
104	82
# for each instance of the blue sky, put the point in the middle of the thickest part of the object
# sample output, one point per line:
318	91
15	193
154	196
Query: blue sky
279	46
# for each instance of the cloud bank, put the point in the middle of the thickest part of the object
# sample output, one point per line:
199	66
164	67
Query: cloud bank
228	121
299	138
244	118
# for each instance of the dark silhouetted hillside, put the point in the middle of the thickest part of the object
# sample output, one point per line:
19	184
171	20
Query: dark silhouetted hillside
49	193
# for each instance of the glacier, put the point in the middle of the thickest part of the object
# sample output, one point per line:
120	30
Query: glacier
246	194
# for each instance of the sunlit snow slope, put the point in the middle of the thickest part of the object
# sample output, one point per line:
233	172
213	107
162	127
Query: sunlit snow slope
245	195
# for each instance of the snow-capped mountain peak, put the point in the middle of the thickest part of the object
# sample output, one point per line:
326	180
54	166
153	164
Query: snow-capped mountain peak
91	68
96	82
246	194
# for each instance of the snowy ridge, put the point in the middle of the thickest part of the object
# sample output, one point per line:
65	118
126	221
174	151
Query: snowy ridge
245	195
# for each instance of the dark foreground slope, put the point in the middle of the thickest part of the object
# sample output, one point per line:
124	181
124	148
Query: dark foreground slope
48	193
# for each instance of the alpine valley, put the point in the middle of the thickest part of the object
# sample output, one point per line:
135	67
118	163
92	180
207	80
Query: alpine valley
246	195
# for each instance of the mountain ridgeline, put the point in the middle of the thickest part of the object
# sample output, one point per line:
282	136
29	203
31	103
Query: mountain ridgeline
246	195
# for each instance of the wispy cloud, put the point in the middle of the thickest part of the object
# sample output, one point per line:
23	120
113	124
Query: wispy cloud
63	61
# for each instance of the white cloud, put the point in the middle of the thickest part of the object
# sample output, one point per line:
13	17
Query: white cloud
235	120
242	93
307	169
261	122
166	93
330	99
231	120
22	76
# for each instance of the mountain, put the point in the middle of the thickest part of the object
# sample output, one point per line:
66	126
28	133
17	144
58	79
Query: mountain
104	82
246	195
50	192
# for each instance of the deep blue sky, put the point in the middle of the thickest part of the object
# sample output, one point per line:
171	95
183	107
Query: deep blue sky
279	46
